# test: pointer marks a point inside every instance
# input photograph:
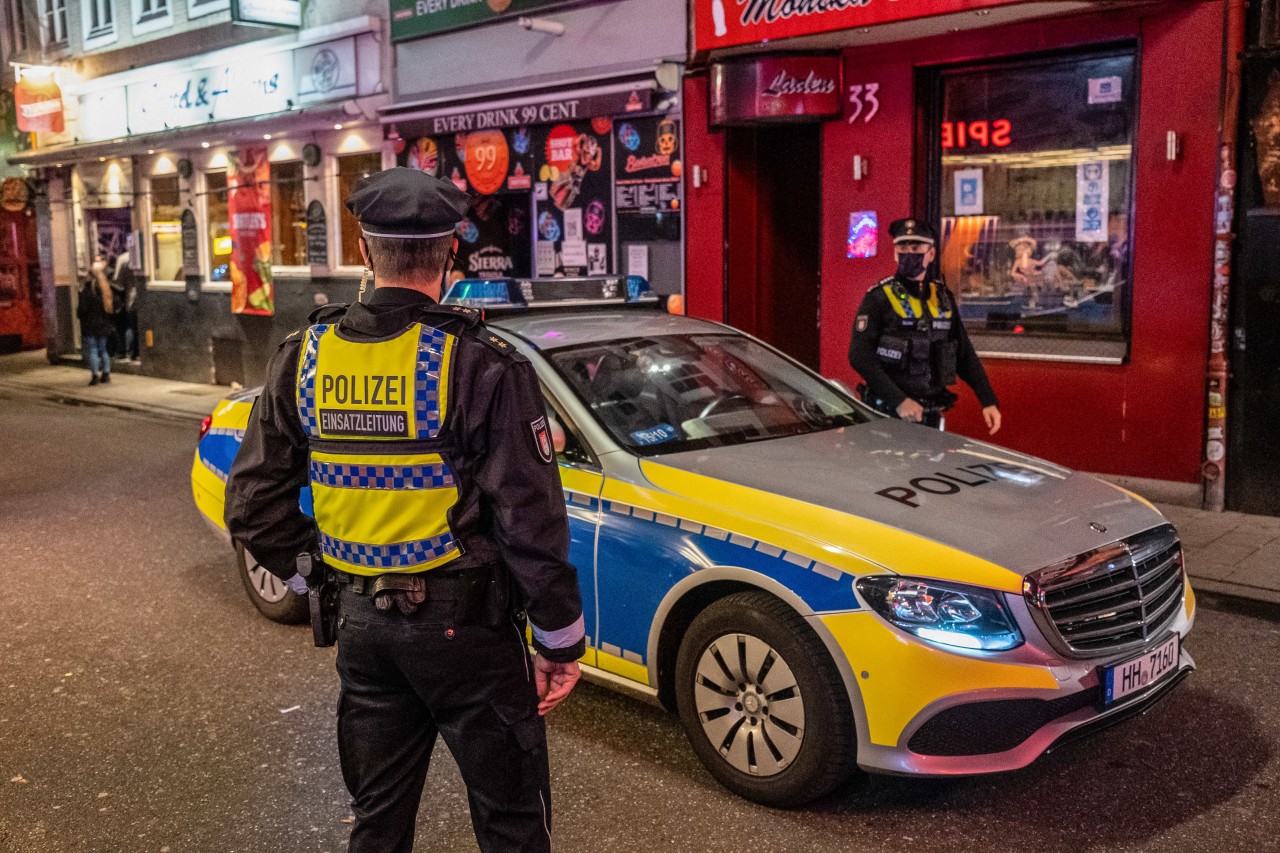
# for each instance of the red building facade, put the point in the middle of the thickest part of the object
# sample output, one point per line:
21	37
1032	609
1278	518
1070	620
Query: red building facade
1100	361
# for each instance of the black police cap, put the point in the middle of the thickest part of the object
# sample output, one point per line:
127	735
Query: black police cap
912	231
406	203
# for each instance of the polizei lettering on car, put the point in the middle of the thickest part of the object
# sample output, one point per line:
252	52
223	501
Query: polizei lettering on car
958	479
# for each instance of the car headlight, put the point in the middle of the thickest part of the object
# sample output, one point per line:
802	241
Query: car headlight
945	613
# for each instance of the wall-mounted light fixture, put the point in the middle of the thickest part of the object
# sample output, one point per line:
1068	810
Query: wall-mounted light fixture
1172	145
860	166
543	25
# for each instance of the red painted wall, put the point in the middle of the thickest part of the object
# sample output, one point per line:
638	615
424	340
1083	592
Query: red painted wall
704	207
1143	418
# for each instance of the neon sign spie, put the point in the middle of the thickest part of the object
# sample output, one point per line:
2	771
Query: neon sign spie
978	134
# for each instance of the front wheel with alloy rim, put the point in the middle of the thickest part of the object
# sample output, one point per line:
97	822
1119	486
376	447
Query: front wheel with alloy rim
762	702
268	593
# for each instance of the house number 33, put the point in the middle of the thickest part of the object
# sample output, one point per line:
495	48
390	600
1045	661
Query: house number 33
864	100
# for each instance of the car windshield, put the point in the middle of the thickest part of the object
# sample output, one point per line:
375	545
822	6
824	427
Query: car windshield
670	393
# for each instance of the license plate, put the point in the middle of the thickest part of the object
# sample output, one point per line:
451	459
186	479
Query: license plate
1140	672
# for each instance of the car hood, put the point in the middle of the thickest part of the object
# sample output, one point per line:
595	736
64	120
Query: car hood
1015	511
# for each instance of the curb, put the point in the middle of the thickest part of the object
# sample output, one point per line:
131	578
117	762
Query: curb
55	396
1236	591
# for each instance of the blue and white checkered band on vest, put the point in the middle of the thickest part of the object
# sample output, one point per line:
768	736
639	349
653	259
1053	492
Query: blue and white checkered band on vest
427	383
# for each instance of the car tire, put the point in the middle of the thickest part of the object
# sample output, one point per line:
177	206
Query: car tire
268	593
781	735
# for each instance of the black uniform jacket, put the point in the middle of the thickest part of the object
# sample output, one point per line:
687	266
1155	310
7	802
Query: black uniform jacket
876	316
510	502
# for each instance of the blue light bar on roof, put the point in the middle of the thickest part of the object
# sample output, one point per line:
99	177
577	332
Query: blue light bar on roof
550	292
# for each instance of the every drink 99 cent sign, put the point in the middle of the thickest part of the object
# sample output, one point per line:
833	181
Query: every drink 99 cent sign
413	18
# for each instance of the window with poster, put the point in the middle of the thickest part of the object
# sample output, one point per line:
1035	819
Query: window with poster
218	226
352	168
1034	191
289	215
166	228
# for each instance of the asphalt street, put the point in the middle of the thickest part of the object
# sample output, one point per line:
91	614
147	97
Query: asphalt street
146	706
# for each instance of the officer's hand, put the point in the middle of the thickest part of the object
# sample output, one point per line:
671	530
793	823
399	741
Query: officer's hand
991	415
910	410
297	584
553	681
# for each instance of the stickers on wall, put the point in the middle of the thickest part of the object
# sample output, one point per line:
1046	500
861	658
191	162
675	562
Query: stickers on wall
863	231
1093	190
546	258
968	192
1105	90
597	259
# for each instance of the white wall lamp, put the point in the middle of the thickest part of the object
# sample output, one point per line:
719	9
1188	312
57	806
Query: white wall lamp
1172	146
860	166
543	25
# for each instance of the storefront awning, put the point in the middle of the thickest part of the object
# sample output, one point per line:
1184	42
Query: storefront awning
635	92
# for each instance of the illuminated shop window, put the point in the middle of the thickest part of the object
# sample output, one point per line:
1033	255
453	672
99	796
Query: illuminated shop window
350	170
1035	197
288	215
166	228
217	226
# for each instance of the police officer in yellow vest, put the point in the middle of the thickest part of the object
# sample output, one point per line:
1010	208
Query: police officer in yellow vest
439	521
908	343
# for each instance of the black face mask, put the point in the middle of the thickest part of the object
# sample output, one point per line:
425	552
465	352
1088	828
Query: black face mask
910	266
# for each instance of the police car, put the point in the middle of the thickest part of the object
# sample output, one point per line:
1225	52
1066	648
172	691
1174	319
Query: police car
812	587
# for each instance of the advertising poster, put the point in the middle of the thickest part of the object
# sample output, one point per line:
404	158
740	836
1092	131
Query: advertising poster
575	168
249	209
863	227
494	239
968	192
648	168
1093	190
528	185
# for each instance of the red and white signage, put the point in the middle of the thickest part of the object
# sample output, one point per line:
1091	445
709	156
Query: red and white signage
775	89
727	23
38	100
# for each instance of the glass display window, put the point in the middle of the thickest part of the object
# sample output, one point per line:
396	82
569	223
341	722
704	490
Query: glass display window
217	226
1035	196
288	215
166	228
352	168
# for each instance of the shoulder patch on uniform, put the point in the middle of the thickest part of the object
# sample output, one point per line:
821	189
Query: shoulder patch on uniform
861	323
325	313
470	316
542	439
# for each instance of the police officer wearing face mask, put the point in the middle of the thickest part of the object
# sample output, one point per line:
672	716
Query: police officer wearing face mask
439	523
908	342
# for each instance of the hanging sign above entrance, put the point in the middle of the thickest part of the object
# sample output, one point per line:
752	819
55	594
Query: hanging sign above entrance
267	13
726	23
525	112
413	18
775	89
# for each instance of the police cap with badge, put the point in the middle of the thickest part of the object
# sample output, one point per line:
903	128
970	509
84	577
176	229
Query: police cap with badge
912	231
407	204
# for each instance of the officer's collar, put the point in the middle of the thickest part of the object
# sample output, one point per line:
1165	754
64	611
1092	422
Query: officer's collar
399	296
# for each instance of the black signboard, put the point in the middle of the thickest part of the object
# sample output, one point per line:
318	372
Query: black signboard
317	234
531	112
190	243
648	165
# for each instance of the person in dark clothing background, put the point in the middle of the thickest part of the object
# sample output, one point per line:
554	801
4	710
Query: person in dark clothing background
438	515
124	294
908	342
94	311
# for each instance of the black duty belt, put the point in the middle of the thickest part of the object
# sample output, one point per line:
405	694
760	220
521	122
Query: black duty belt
442	585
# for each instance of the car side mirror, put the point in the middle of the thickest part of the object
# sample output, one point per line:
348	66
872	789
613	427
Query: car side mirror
557	434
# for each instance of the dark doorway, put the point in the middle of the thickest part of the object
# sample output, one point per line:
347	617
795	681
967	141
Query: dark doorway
1253	465
774	219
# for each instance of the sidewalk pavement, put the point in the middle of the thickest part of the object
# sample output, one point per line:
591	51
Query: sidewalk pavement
1228	553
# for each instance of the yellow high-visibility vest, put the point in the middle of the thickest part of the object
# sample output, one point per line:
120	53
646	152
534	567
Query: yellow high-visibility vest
373	411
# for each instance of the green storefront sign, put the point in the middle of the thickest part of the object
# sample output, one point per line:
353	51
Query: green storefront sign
414	18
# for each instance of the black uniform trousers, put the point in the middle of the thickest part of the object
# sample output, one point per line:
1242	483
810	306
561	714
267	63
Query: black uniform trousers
406	679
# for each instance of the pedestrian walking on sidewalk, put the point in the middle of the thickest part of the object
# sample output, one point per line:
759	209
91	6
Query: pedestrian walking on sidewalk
440	526
96	321
124	295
